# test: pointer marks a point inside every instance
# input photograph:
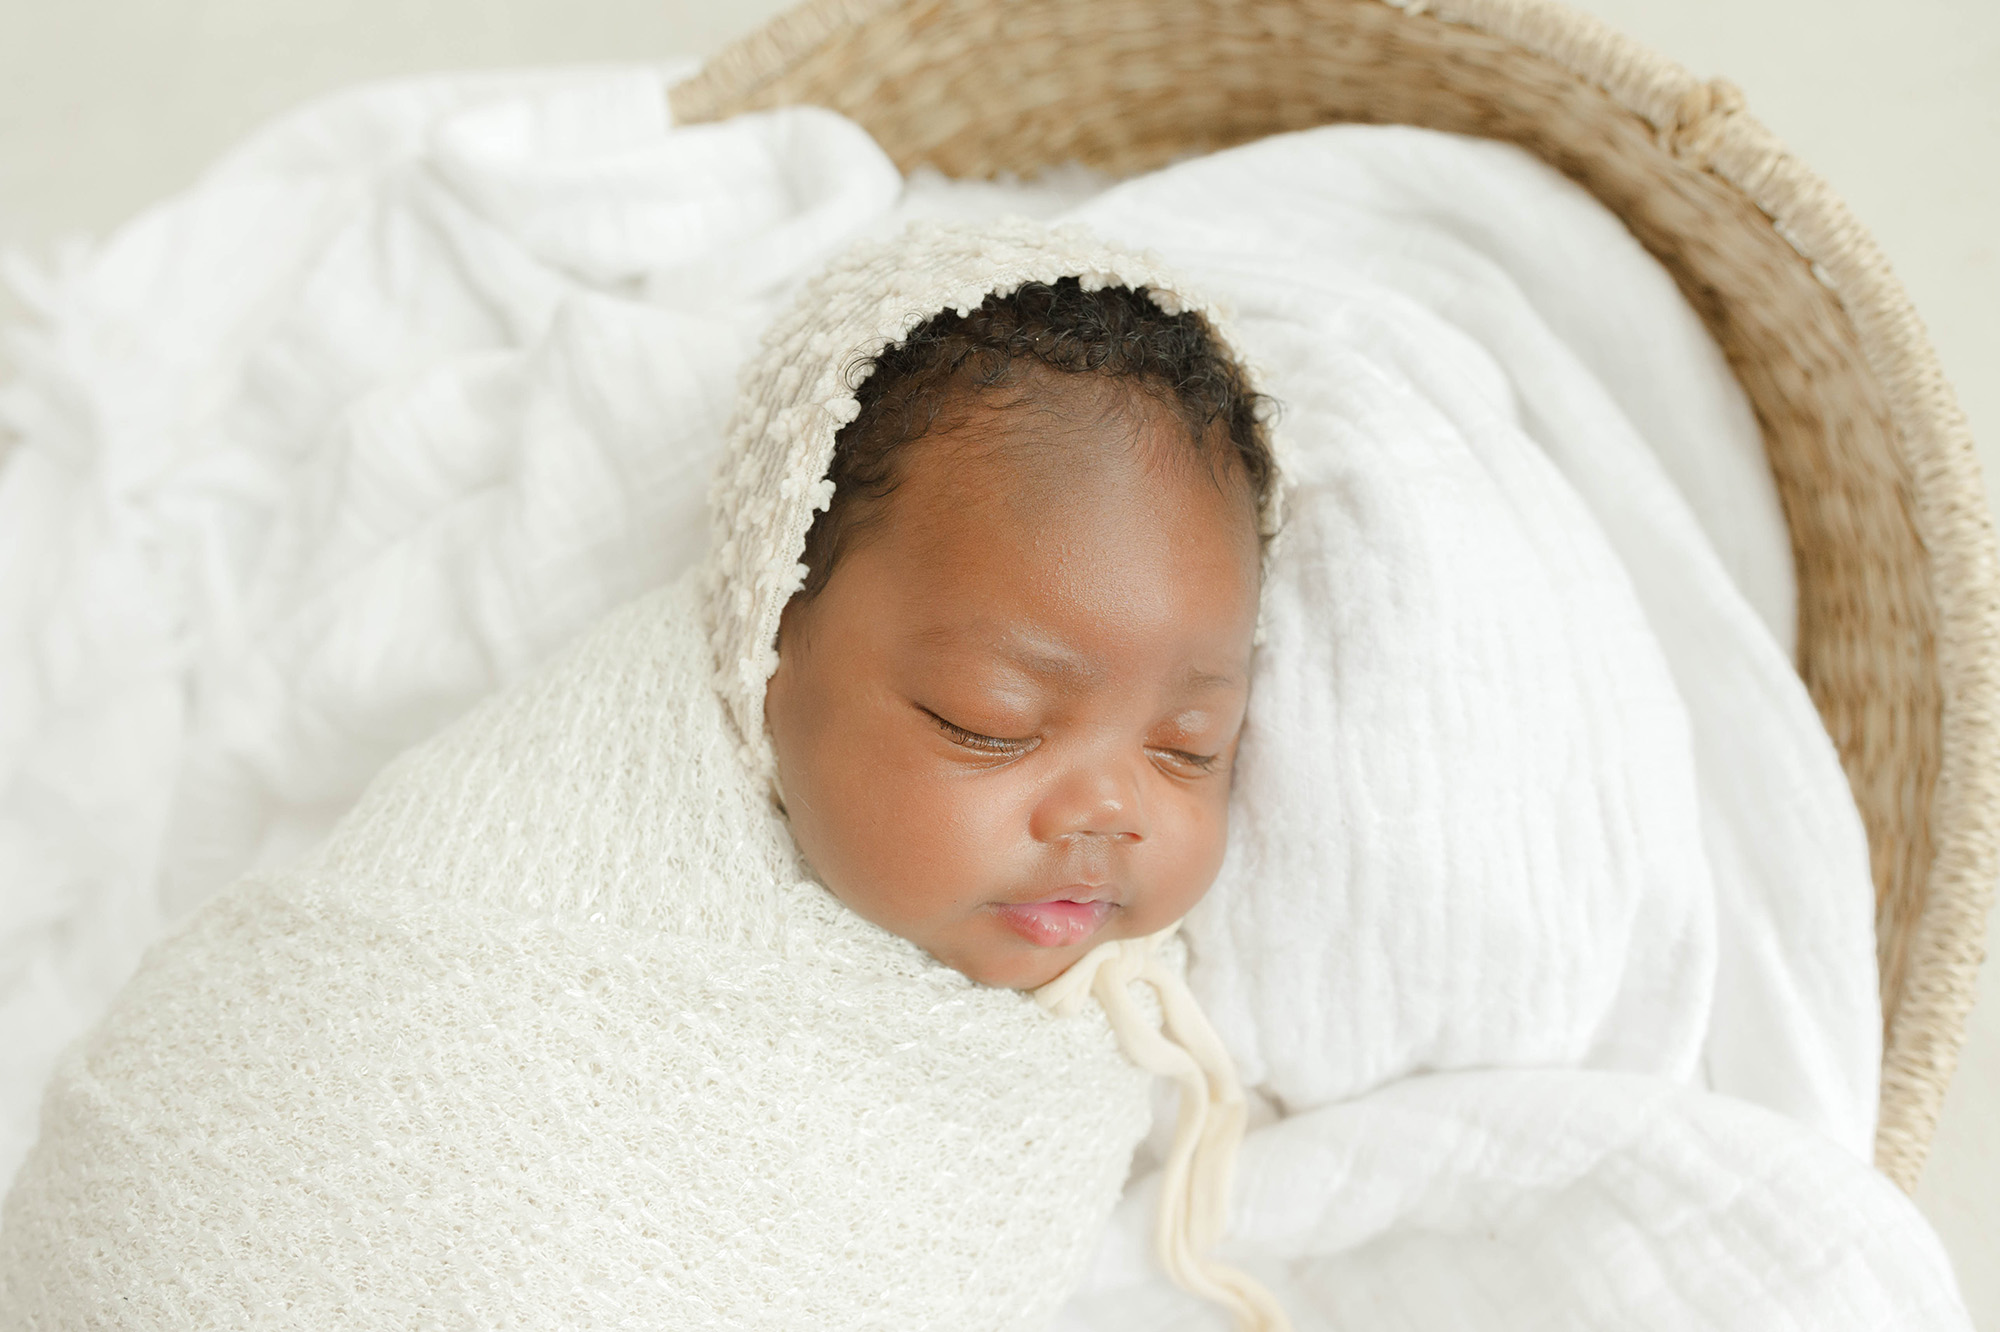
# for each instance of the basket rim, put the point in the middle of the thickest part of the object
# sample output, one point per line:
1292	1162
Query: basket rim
1705	125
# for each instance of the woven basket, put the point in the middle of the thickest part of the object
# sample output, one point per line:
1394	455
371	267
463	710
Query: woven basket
1881	488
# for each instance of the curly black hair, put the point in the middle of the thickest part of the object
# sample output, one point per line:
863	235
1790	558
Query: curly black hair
1117	333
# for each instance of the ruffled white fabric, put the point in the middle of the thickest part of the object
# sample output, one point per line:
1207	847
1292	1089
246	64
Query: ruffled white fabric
1531	781
1536	834
407	393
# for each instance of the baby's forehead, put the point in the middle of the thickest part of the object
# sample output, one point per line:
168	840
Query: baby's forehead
1045	438
1107	503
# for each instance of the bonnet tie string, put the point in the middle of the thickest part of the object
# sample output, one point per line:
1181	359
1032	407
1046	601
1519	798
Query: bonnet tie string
1195	1182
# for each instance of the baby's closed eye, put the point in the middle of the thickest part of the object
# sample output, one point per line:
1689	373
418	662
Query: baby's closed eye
978	741
1180	759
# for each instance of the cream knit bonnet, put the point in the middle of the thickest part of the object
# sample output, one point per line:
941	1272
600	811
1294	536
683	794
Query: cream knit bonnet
797	394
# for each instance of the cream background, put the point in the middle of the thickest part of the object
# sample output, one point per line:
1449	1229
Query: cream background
106	105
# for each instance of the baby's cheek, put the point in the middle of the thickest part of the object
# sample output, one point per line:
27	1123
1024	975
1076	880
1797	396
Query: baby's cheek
925	848
1186	860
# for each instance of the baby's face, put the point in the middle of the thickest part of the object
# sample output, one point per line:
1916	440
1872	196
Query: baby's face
1005	727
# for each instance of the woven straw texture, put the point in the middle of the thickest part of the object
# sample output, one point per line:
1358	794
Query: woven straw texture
1899	598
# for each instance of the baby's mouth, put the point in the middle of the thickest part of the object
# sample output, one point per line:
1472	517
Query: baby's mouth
1058	922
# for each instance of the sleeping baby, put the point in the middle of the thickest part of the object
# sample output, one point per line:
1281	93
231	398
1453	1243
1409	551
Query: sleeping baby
1009	692
795	951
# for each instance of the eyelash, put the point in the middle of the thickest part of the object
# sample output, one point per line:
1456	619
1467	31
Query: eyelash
985	744
998	745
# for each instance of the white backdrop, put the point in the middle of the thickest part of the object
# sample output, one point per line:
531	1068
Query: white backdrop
106	105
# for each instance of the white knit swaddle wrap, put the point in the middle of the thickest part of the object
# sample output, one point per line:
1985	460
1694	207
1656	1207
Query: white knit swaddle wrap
554	1031
555	1034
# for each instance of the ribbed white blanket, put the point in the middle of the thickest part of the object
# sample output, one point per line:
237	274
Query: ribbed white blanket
1545	938
1546	928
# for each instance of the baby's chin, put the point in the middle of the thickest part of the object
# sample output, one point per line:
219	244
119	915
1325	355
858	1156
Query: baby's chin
1022	972
998	958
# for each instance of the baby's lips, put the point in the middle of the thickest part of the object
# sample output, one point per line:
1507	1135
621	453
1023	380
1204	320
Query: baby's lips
1059	923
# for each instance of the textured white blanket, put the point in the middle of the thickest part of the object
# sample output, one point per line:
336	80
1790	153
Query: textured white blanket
1560	808
1531	787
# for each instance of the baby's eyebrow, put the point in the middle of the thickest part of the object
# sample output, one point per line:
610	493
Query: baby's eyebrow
1054	661
1198	680
1038	656
1051	661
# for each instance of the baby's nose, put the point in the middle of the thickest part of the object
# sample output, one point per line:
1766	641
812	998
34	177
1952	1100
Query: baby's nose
1101	801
